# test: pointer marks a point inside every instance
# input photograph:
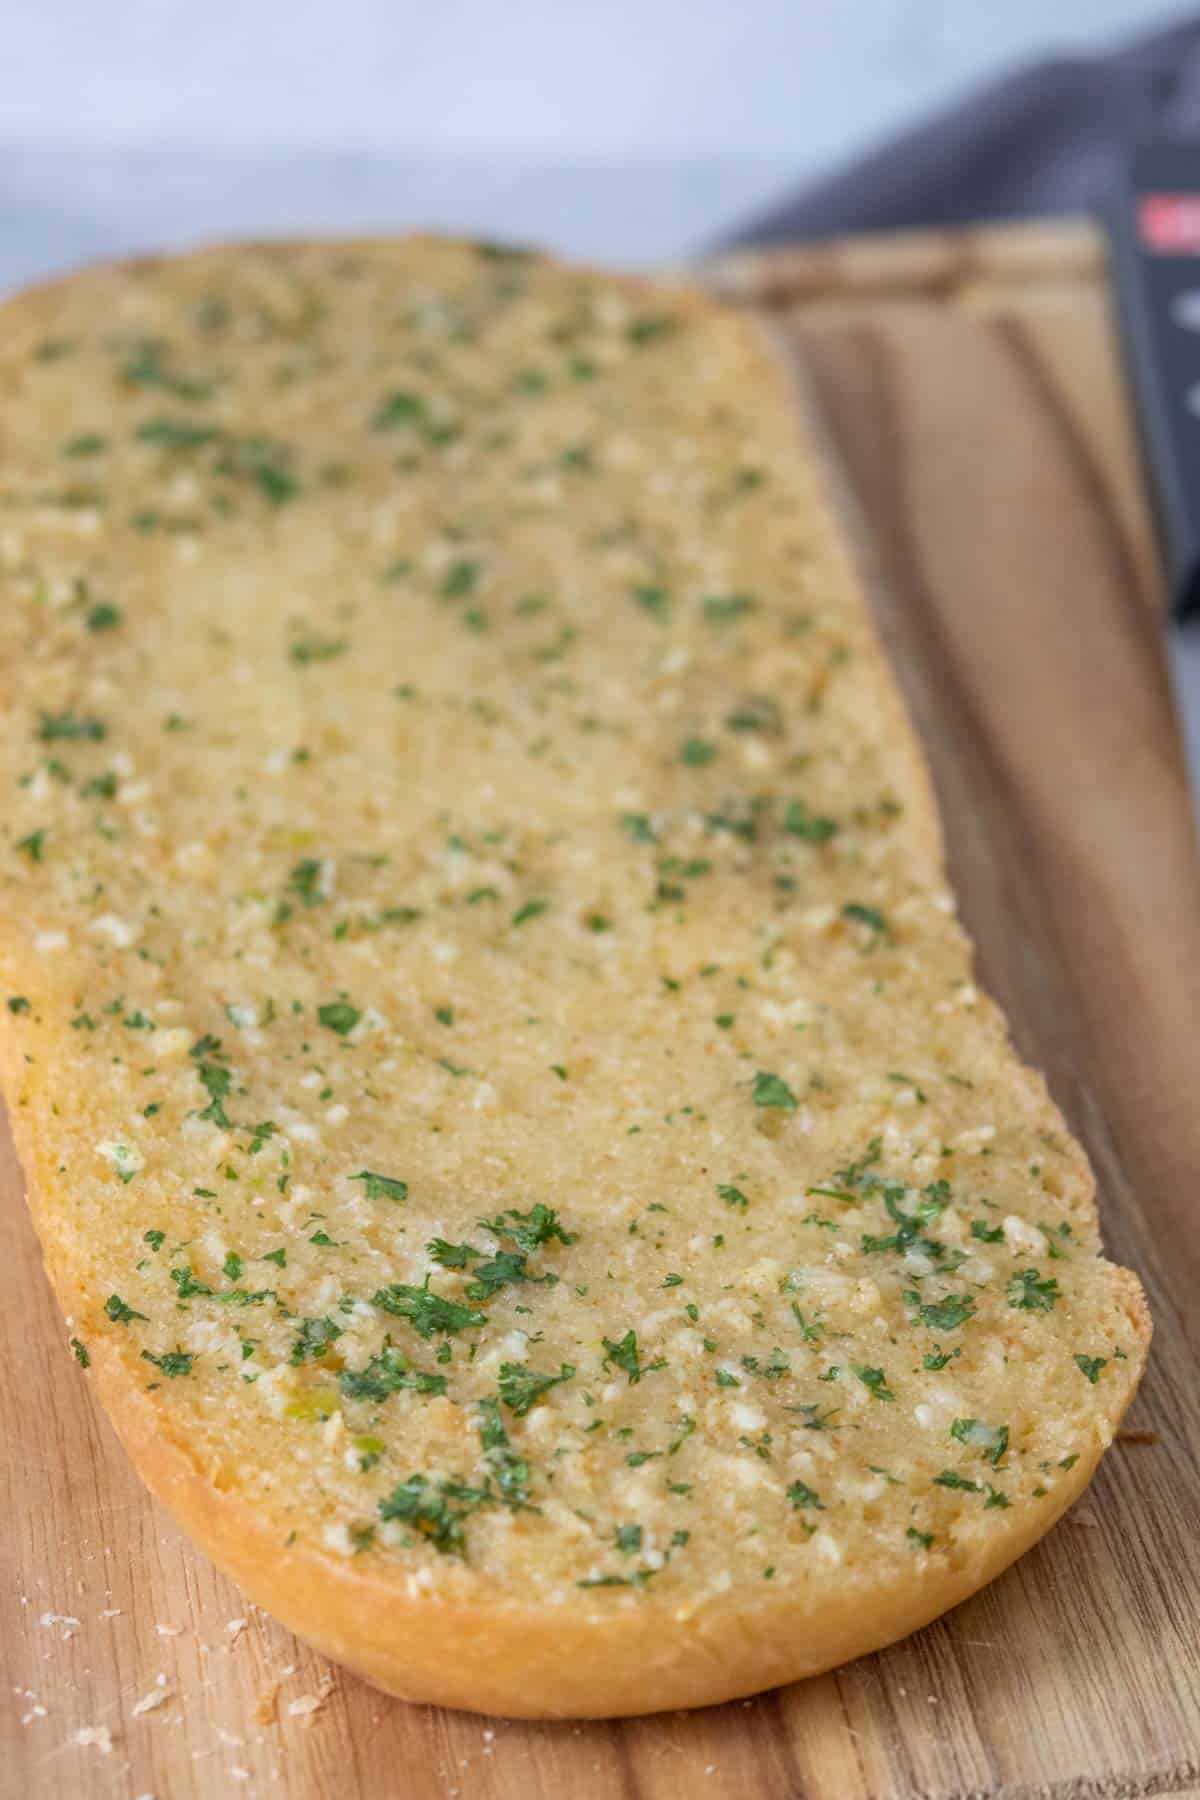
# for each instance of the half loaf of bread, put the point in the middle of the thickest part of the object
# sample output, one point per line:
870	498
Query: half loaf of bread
502	1090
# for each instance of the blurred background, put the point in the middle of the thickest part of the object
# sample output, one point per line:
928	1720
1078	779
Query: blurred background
629	130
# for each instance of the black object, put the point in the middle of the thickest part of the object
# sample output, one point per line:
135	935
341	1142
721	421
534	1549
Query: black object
1045	140
1055	138
1154	229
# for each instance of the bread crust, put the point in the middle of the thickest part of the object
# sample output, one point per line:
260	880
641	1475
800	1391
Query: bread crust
488	1653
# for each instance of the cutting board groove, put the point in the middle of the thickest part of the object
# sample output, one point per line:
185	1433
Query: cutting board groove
968	390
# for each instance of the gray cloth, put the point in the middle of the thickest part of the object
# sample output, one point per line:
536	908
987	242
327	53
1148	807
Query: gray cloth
1046	140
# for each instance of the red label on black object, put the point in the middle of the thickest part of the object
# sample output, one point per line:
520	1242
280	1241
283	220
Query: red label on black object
1169	224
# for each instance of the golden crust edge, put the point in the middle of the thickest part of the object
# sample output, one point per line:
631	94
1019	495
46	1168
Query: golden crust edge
492	1655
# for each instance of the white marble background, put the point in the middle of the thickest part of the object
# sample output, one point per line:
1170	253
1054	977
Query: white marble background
629	130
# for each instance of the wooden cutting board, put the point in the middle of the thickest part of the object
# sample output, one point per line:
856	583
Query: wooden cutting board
969	390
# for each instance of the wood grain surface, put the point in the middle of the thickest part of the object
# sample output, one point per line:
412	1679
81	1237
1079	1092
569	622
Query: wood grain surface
968	388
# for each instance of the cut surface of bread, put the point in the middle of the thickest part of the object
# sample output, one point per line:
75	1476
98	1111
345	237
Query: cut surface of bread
503	1094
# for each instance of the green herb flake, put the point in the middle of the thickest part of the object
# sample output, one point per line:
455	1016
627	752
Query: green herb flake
990	1440
723	609
948	1314
121	1314
172	1362
875	1381
622	1353
529	1230
308	650
800	823
521	1387
696	752
429	1314
1030	1292
1091	1366
314	1339
66	727
459	580
398	408
772	1091
176	434
338	1016
653	600
804	1498
437	1512
388	1373
870	916
103	617
381	1187
651	328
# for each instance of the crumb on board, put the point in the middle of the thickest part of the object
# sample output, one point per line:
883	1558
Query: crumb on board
69	1624
93	1737
307	1706
266	1707
1137	1434
157	1696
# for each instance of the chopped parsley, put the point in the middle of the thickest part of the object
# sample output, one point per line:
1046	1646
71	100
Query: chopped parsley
314	1339
339	1016
171	1362
429	1314
388	1373
1028	1291
772	1090
437	1511
381	1187
1091	1366
990	1440
652	600
622	1353
947	1314
529	1230
521	1387
799	822
532	909
803	1497
875	1382
732	1196
103	617
696	752
121	1314
66	727
870	916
